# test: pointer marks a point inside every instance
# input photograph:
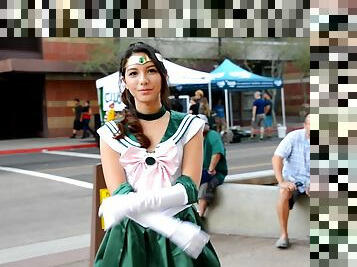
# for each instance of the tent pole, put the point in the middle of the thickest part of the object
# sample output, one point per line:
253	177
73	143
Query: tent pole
230	108
210	95
283	106
226	106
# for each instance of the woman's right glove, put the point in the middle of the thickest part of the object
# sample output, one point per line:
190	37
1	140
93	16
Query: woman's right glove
116	207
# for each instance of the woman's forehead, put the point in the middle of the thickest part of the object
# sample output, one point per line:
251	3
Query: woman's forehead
140	67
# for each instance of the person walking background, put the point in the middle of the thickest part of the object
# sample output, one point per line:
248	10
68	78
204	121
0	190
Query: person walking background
205	110
194	106
175	102
268	120
77	111
219	117
258	115
86	116
199	95
204	107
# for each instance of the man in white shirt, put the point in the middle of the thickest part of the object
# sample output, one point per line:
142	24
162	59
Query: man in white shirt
291	164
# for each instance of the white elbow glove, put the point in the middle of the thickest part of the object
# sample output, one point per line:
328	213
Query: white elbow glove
186	235
190	238
115	208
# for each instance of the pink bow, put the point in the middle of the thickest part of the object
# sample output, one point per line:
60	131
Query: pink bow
150	177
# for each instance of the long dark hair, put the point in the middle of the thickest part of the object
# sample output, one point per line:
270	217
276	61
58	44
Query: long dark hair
131	122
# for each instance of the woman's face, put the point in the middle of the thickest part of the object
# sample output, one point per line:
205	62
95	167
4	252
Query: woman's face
142	80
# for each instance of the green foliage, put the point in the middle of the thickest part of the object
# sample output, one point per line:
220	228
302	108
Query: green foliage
104	57
302	57
237	48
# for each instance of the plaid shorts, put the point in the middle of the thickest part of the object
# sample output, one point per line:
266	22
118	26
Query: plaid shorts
259	121
207	190
294	197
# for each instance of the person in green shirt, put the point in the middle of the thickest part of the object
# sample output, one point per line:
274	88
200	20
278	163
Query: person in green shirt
214	166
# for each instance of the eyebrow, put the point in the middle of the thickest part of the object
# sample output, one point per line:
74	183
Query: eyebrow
134	68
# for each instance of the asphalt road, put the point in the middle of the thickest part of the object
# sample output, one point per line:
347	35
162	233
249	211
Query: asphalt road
241	158
43	208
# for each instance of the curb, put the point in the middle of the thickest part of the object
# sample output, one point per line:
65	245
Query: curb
40	149
53	148
293	128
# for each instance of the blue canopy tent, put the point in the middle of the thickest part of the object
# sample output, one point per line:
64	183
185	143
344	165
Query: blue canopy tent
230	77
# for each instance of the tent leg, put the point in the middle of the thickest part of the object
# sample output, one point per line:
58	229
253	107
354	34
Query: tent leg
210	95
283	106
226	106
230	108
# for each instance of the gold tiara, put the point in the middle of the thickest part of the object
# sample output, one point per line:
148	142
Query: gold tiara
141	60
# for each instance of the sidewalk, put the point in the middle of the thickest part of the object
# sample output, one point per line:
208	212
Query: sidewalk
32	145
232	251
292	123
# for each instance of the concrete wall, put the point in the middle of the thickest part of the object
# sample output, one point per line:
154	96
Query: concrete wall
200	48
250	210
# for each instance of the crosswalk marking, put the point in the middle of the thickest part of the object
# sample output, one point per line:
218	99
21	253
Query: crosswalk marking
19	253
73	154
49	177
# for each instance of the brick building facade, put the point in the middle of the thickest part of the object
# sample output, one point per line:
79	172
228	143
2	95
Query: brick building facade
43	78
40	77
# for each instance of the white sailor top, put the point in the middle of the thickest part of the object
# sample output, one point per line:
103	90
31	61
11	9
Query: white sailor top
145	170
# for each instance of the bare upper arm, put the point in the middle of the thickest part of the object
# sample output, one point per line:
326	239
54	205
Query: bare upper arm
277	163
277	160
114	173
254	109
193	158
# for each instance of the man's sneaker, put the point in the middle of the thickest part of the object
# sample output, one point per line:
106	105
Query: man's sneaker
282	243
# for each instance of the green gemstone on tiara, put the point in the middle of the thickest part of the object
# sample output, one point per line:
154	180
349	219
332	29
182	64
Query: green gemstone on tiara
142	60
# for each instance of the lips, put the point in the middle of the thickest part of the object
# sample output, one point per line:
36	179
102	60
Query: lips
145	91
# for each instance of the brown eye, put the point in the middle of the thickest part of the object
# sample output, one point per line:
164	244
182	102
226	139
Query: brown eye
132	73
152	70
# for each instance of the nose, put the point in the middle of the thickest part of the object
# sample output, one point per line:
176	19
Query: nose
143	79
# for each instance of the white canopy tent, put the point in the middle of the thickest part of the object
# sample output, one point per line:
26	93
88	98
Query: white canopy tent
179	75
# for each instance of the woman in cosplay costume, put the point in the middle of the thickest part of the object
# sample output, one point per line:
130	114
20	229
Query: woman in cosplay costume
152	163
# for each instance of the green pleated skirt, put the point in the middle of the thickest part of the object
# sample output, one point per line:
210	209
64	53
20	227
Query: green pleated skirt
128	244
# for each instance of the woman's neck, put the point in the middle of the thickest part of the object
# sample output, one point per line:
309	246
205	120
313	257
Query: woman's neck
148	108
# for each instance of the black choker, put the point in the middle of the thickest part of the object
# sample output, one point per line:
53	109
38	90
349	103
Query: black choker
151	117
